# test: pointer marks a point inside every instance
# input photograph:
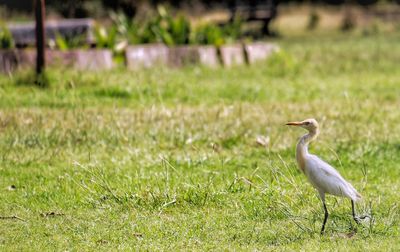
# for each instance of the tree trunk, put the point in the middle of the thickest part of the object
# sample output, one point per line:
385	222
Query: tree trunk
40	36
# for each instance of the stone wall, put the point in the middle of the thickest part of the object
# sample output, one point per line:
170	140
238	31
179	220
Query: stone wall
141	56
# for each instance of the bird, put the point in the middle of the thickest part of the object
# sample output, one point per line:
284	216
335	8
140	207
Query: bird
322	176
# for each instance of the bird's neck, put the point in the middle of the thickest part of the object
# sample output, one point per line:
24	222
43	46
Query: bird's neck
302	148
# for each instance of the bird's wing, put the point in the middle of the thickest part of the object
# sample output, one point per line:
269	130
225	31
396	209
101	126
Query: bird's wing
327	179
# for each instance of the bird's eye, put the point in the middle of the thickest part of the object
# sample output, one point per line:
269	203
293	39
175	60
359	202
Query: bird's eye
307	123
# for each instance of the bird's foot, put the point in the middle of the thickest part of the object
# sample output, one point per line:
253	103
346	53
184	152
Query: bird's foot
322	230
358	219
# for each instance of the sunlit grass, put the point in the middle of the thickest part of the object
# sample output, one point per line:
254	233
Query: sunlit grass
165	159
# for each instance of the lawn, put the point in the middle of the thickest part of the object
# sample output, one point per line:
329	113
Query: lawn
167	159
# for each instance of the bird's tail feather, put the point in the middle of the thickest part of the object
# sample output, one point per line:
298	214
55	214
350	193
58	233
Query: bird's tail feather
356	196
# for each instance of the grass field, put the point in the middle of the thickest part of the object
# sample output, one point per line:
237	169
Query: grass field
167	159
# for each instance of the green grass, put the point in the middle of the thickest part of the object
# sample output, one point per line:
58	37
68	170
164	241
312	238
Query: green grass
166	159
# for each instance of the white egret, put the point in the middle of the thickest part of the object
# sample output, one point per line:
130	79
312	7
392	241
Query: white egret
319	173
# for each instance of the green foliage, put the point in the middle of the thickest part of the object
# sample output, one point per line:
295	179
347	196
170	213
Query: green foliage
232	31
61	43
134	31
105	38
169	30
129	31
212	34
177	30
67	43
113	37
208	34
147	33
161	27
6	39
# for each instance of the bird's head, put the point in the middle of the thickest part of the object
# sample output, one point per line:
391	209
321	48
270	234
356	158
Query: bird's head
309	124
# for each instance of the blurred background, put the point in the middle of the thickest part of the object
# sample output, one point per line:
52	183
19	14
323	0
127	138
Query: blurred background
116	25
212	22
194	8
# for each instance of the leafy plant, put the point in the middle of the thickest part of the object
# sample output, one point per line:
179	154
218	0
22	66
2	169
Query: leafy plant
208	34
134	31
61	43
233	30
111	39
6	39
180	29
66	43
170	30
162	27
105	38
126	30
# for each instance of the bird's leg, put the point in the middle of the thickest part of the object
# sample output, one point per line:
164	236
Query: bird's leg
357	219
325	218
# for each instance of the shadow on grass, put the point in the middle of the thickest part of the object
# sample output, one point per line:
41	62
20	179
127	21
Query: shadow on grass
30	78
113	92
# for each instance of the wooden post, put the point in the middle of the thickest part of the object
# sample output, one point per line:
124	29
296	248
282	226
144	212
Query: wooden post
40	36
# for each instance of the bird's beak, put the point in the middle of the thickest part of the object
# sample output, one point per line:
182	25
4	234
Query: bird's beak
294	123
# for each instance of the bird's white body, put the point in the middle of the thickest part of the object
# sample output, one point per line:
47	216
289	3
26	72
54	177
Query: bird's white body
320	174
327	180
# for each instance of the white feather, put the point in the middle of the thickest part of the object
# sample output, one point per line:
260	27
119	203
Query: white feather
328	180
